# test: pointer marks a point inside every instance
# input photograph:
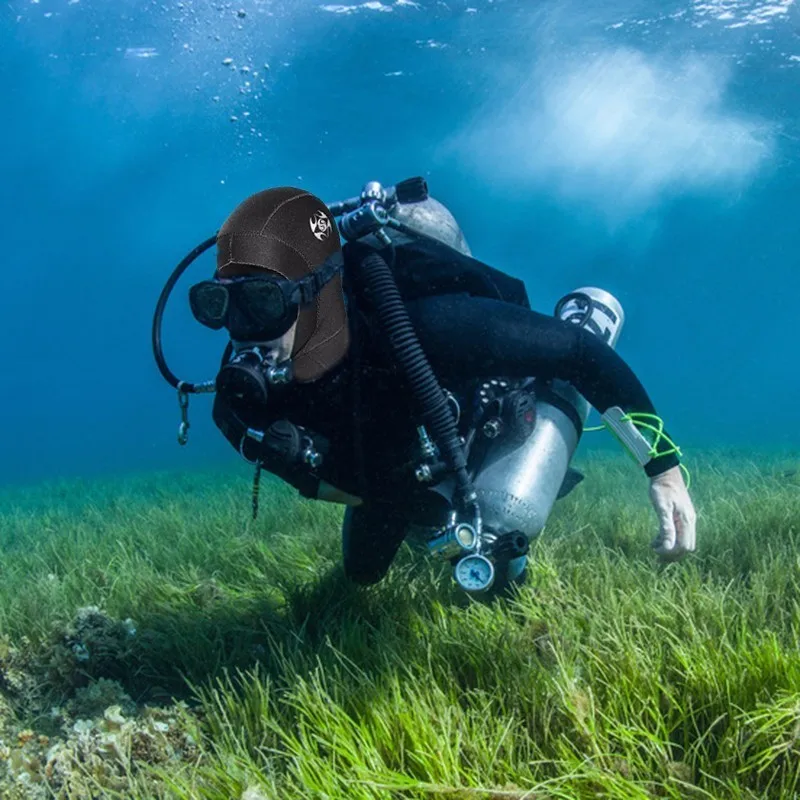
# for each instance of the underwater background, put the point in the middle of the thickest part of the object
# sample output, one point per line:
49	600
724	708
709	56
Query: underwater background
649	148
158	643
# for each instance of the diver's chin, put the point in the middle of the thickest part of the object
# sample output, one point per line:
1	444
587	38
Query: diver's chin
272	352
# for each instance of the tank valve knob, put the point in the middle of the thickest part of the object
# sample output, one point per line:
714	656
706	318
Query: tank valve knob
492	428
511	545
412	190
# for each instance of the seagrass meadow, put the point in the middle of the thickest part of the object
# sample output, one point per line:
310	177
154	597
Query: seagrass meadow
158	643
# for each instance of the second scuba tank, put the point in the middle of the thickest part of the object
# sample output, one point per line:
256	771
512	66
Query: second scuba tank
517	487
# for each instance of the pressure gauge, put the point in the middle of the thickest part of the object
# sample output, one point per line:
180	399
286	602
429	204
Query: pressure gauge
474	573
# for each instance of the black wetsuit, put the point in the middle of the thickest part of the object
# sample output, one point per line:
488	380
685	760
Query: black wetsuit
483	328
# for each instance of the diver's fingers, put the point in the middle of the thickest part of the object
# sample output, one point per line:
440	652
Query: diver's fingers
686	523
665	541
685	538
676	515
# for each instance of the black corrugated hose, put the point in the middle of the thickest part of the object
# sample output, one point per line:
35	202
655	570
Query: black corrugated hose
437	412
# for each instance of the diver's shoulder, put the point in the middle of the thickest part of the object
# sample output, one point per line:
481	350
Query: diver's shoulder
417	253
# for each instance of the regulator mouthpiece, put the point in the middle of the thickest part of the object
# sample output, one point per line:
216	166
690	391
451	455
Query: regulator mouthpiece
246	379
242	381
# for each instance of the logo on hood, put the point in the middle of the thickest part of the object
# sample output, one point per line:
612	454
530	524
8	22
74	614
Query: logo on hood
320	225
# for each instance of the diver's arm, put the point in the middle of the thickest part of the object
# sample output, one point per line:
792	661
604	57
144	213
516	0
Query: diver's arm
468	336
330	494
605	379
235	429
479	337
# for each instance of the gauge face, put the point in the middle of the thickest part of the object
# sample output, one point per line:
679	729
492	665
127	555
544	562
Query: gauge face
474	573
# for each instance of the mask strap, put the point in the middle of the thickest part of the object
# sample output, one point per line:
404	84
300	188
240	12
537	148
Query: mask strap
309	287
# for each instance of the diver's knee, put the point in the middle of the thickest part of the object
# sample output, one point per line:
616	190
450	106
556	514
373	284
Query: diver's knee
371	538
364	575
368	565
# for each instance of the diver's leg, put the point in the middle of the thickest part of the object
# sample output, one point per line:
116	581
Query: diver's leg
371	536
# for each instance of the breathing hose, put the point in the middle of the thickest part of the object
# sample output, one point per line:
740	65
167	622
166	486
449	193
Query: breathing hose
405	346
169	376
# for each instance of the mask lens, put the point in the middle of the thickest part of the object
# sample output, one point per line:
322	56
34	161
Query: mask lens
263	309
209	304
263	301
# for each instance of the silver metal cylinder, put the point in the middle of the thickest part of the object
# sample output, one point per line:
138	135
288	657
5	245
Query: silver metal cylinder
605	320
454	541
433	219
517	488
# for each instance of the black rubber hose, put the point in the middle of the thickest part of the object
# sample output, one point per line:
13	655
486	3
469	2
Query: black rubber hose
436	410
169	376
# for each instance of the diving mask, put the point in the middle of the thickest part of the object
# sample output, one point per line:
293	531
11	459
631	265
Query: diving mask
260	307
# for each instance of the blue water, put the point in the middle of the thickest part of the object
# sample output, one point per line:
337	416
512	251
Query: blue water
649	148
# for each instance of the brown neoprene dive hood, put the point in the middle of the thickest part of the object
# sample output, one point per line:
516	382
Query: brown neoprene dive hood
290	232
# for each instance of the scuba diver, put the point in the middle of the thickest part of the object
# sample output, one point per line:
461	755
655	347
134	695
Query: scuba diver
413	383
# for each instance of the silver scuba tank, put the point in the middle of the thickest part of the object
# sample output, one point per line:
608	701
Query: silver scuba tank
516	490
